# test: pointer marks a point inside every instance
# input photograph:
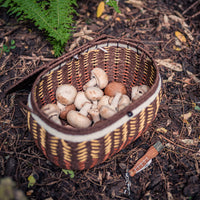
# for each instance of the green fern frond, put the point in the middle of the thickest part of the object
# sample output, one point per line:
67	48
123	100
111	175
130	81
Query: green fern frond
54	16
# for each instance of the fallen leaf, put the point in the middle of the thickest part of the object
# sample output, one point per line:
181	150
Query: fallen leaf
180	36
68	171
100	177
190	141
162	130
166	21
170	64
197	108
31	181
193	76
100	8
136	3
183	24
186	116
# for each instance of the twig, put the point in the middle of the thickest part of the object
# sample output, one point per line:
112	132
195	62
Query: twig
161	136
190	7
196	14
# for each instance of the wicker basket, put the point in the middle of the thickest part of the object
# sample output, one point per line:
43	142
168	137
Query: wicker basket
124	61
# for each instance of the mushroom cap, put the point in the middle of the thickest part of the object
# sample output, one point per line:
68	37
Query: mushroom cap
100	76
66	94
50	110
63	113
123	102
78	120
138	91
80	100
106	112
113	87
103	101
93	93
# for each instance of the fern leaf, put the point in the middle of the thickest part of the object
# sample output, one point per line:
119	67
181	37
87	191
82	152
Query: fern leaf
54	16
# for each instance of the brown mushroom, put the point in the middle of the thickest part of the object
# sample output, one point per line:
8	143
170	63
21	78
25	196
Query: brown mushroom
63	113
98	78
113	87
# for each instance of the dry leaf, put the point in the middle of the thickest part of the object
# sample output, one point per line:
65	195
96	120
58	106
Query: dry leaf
180	36
166	21
186	116
184	25
170	64
169	196
193	76
190	141
136	3
100	8
100	177
162	130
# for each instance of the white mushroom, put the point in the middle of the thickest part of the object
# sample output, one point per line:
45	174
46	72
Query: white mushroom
66	94
98	78
80	100
94	112
80	119
138	91
103	101
123	102
52	111
107	111
94	94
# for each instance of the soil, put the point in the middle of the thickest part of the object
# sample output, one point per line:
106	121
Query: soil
175	172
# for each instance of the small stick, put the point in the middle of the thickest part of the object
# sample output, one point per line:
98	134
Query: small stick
190	7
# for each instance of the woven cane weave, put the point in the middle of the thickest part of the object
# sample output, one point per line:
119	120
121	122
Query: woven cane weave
123	61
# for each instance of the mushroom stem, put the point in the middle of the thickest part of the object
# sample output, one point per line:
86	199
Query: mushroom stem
94	112
115	100
55	119
84	110
92	82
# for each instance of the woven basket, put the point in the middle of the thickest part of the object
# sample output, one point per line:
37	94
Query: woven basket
123	61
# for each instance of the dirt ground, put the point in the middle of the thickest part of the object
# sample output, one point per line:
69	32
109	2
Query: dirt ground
170	31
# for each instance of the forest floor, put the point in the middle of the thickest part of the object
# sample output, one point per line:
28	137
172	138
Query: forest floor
170	31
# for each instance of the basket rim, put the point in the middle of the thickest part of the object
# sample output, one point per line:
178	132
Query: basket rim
76	134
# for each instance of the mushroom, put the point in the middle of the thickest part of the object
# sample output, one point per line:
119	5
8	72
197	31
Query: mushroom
79	119
63	113
113	87
138	91
123	102
98	78
94	94
52	111
94	112
103	101
107	111
66	94
80	100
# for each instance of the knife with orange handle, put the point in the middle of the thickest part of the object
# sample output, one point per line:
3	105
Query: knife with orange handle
152	152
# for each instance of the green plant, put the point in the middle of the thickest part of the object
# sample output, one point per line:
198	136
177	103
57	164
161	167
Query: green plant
7	47
53	16
113	3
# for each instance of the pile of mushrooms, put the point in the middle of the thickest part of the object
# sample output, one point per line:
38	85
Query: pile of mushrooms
98	101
